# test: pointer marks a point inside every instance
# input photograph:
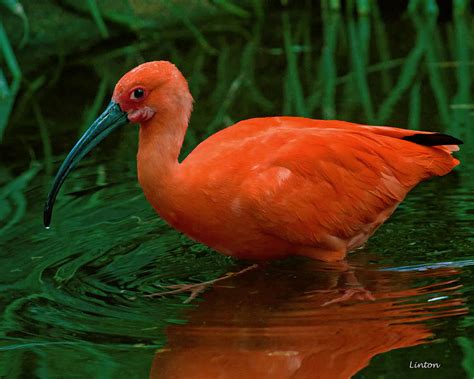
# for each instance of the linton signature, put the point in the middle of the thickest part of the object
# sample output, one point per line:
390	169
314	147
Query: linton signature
414	364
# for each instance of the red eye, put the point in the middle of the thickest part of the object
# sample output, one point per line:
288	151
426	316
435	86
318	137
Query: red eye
137	94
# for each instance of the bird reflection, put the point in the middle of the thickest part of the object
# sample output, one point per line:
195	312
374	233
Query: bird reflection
279	321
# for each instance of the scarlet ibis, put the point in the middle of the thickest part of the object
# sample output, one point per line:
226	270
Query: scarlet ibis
266	187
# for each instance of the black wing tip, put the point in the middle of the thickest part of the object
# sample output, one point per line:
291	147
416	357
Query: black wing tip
433	139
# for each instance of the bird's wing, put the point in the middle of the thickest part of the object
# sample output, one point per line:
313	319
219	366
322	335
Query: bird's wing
321	184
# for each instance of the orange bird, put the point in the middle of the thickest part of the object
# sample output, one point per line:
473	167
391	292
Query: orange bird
267	187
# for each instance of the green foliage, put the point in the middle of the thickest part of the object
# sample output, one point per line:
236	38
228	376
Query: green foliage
95	12
467	346
312	81
8	91
12	199
16	8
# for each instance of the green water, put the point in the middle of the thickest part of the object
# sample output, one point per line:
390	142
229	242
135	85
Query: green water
72	297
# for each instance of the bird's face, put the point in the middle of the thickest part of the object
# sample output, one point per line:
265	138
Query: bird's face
153	89
134	102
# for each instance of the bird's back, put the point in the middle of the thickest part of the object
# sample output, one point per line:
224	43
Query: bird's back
254	127
264	136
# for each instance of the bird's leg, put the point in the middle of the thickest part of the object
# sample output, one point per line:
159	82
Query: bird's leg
353	289
196	288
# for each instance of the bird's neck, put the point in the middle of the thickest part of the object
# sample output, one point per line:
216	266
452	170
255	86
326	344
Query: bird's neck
157	162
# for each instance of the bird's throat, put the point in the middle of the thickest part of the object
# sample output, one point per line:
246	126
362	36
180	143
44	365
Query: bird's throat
158	166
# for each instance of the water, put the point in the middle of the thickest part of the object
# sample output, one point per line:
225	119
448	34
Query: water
73	297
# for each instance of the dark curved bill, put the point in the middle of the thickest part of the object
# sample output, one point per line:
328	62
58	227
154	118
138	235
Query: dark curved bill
110	119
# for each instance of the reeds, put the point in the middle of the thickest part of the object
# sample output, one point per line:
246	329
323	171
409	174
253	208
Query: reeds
8	89
328	77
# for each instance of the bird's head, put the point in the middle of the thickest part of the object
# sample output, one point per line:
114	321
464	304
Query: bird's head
152	91
152	88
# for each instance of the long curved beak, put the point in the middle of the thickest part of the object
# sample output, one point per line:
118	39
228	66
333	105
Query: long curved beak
110	119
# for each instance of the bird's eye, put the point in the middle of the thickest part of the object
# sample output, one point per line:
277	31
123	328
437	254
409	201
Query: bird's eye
137	93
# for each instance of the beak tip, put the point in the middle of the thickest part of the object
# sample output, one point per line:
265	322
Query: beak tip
47	217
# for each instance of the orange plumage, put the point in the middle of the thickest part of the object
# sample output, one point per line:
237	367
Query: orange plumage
276	186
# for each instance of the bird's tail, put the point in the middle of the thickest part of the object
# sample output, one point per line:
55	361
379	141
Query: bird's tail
449	143
440	164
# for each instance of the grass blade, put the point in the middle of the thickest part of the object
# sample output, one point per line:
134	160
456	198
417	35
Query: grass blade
294	82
